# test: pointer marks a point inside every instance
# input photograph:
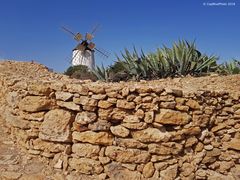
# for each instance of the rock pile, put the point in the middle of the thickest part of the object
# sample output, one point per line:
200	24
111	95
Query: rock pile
120	131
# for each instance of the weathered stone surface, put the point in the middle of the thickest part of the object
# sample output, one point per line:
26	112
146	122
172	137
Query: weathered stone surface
125	104
193	104
99	96
172	117
131	119
165	148
86	101
85	117
97	89
105	113
191	141
39	89
121	154
150	135
101	138
218	127
77	88
120	131
16	121
56	126
170	173
86	166
10	175
117	172
64	96
139	125
148	170
233	144
157	158
69	105
35	103
149	117
201	120
37	116
187	169
104	104
125	91
85	150
130	143
100	125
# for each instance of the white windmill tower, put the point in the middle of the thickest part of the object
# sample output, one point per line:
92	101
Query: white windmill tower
83	53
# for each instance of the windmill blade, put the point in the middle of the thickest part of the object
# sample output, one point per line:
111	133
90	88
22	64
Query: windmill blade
89	36
77	36
95	29
106	55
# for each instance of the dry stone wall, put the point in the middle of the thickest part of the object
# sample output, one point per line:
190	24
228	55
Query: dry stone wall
119	131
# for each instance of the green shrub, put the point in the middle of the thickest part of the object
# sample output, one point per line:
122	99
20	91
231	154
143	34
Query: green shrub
80	72
231	67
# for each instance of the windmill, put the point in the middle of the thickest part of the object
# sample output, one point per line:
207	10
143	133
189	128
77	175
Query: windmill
83	53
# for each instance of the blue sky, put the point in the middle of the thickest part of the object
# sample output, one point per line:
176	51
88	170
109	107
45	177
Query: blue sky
30	29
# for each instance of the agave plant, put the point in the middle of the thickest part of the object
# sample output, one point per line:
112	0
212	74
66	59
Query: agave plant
101	73
232	67
183	58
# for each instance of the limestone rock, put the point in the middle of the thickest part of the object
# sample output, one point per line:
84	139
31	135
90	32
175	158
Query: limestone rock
125	104
130	143
69	105
101	138
35	103
85	117
193	104
120	131
148	170
99	96
86	101
96	89
149	117
131	119
64	96
39	89
167	116
37	116
233	144
11	175
85	150
170	173
150	135
139	125
117	172
104	104
77	88
165	148
100	125
187	169
86	166
123	155
56	126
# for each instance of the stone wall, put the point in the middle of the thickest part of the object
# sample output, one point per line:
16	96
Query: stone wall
125	131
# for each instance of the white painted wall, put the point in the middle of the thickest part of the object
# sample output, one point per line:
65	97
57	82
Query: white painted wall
84	58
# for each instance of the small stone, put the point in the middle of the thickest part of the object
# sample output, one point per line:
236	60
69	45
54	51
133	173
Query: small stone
65	96
165	148
11	175
208	147
167	116
151	135
123	155
85	117
149	117
100	125
125	104
119	131
139	125
170	173
131	119
69	105
104	160
148	170
85	150
104	104
193	104
130	143
59	164
101	138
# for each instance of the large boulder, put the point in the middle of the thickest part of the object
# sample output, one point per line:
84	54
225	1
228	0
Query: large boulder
56	126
